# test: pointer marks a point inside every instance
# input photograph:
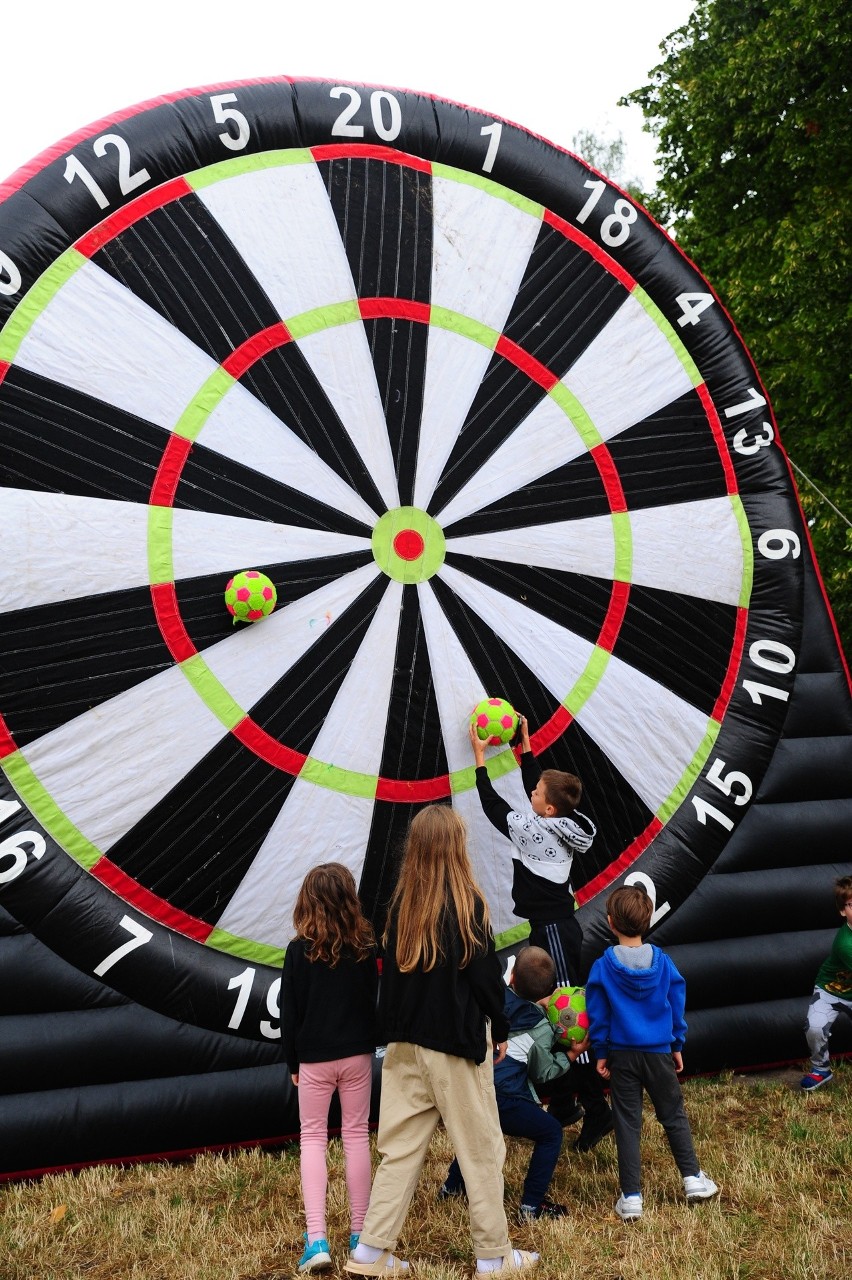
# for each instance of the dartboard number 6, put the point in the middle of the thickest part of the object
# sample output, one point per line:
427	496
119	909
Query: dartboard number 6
15	847
615	227
243	983
127	180
734	784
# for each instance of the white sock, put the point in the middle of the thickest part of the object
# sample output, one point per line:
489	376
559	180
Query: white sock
369	1253
494	1264
366	1253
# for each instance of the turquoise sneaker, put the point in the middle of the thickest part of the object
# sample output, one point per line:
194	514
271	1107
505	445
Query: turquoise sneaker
353	1240
316	1257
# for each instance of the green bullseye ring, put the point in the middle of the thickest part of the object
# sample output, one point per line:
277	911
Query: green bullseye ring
408	545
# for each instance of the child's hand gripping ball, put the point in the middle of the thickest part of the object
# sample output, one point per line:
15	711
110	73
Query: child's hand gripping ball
566	1011
495	721
250	595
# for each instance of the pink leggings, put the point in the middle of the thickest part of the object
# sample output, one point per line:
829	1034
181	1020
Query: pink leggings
352	1078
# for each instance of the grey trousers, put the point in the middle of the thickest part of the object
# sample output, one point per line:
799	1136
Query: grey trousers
633	1071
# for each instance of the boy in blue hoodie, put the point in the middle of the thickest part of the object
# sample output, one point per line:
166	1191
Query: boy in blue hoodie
635	999
532	1056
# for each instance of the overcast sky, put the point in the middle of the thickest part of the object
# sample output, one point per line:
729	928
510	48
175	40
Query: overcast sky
556	66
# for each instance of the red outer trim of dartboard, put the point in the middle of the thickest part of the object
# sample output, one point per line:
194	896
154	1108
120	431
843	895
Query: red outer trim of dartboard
719	436
594	250
4	369
733	666
119	221
368	151
625	860
7	742
150	904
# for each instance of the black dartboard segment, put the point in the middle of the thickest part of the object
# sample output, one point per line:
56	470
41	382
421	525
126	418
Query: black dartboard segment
484	428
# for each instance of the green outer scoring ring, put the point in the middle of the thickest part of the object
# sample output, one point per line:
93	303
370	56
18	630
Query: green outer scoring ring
190	425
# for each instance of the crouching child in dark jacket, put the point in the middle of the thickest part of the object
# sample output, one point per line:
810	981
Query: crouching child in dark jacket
533	1058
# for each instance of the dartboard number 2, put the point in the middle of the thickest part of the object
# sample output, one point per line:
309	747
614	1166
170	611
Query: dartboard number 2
639	877
243	983
385	111
737	786
127	181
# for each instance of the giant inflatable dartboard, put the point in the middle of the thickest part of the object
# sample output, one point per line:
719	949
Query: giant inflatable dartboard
488	432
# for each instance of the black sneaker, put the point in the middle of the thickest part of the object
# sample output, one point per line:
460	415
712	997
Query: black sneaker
446	1192
593	1131
547	1209
566	1113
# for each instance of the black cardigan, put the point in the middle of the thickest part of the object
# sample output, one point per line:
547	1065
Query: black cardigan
445	1008
326	1013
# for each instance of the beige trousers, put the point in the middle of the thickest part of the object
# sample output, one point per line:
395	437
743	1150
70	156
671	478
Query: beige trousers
419	1088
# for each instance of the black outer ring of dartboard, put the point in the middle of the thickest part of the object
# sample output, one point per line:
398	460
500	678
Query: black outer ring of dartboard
42	214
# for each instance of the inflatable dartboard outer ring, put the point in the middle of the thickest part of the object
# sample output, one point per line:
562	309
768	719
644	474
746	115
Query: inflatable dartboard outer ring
89	200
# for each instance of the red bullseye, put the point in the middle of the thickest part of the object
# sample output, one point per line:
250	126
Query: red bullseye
408	544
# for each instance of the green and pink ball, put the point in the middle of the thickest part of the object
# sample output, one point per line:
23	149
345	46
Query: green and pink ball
567	1014
250	595
495	721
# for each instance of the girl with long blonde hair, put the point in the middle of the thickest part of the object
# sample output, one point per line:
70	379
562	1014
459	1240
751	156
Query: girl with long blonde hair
328	1027
441	988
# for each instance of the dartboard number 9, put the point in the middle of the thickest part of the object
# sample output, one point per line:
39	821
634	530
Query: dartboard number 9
484	431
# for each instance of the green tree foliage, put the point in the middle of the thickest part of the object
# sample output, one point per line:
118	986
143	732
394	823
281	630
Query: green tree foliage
750	107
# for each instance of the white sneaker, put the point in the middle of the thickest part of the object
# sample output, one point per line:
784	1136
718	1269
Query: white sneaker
699	1188
628	1208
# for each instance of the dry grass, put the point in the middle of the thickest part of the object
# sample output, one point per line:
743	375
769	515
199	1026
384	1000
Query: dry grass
783	1160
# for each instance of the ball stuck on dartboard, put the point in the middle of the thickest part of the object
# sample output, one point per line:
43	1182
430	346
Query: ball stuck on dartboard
250	595
495	721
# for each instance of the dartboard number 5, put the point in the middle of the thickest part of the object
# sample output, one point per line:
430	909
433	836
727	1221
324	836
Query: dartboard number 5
222	114
385	112
127	181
